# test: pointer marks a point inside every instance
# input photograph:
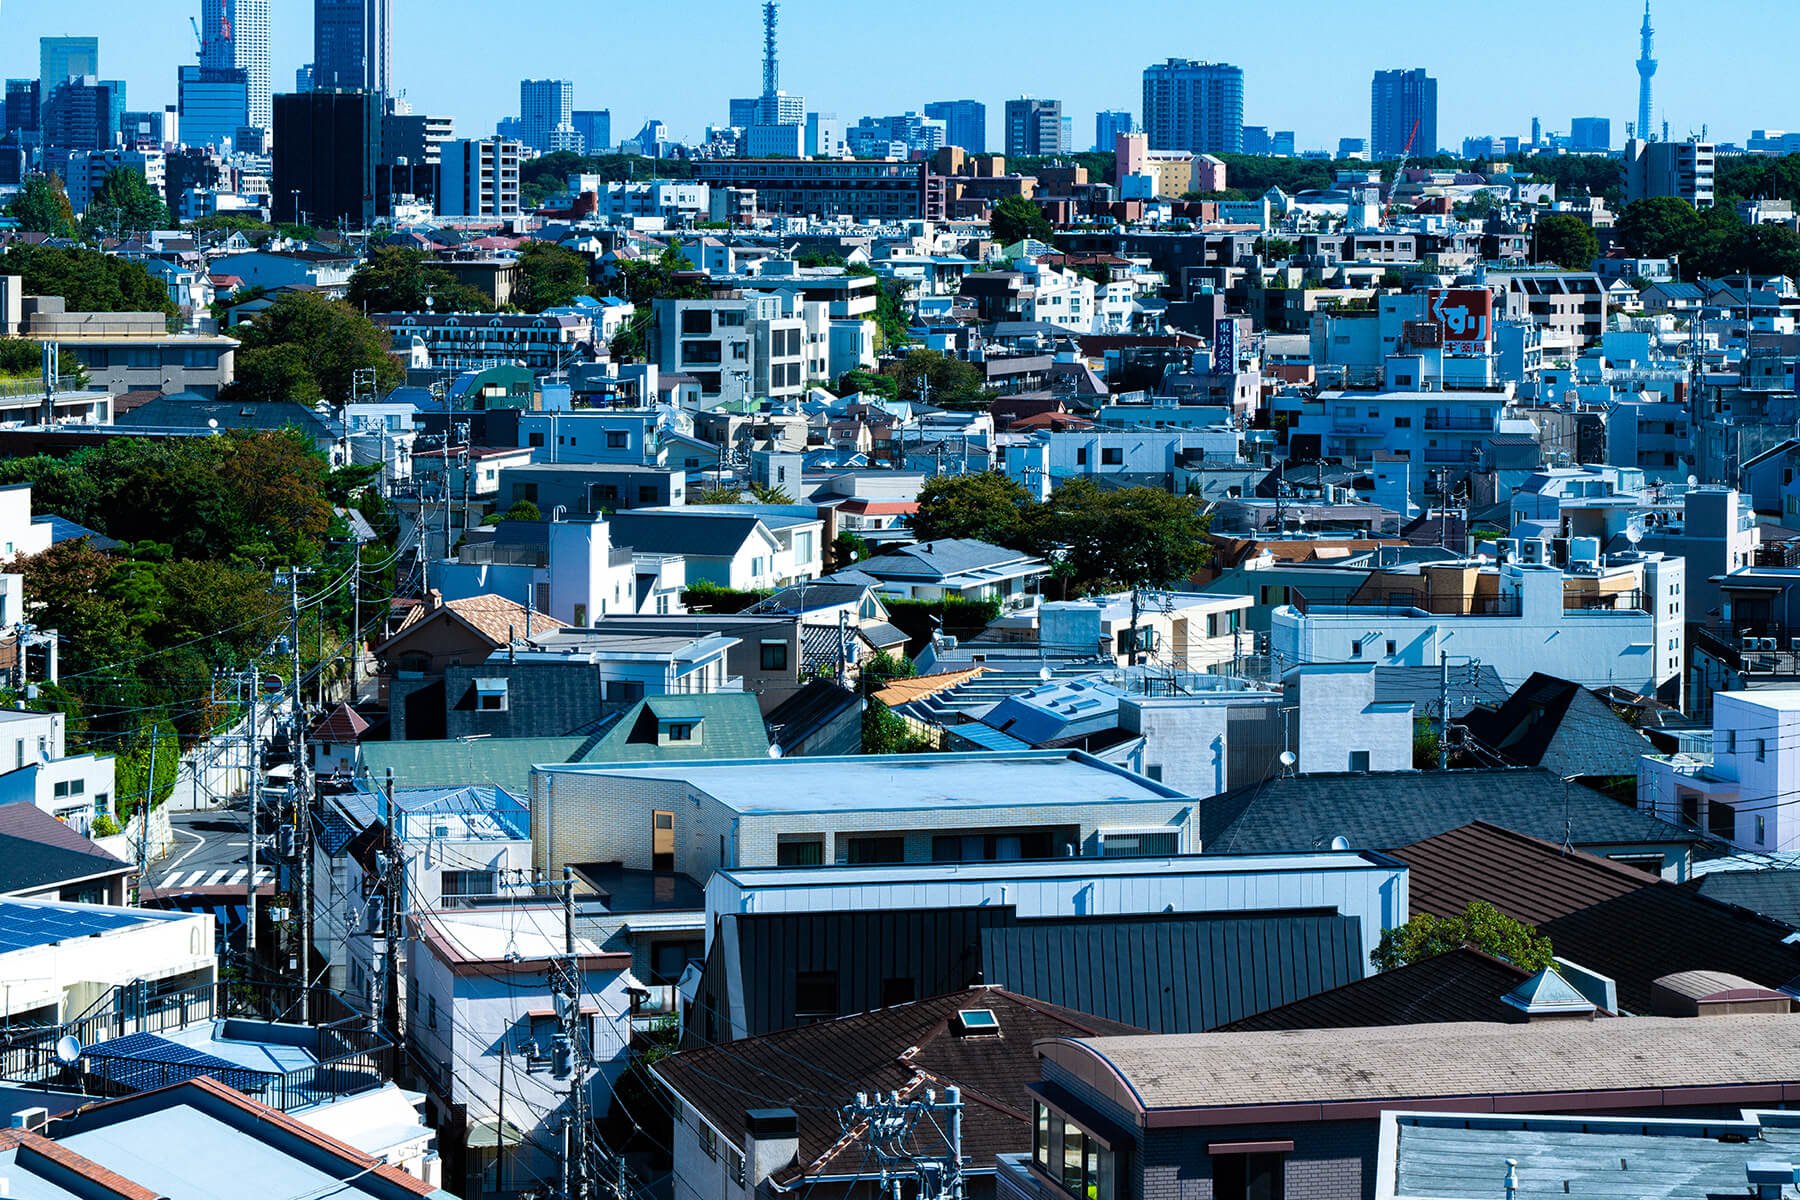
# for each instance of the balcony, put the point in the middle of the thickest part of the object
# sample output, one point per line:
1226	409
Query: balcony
1456	424
1406	604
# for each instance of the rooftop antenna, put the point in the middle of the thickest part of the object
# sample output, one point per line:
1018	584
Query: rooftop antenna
771	68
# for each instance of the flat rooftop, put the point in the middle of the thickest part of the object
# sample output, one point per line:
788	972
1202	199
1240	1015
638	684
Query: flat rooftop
831	875
758	787
25	924
1783	699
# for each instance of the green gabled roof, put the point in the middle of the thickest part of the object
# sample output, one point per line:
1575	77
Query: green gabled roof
730	726
464	762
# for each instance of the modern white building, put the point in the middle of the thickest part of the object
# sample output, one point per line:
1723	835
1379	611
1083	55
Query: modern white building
1342	727
1145	457
1741	791
479	177
1613	623
1186	631
35	768
752	347
698	818
57	959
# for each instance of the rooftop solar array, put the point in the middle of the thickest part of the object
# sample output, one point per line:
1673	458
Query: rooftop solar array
24	925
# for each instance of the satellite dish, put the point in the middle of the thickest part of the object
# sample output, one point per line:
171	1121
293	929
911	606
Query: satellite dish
774	751
1340	842
68	1050
1693	481
1288	758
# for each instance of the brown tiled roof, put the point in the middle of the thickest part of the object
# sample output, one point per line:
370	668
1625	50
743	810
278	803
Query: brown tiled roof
1393	1064
343	724
1462	985
32	823
1629	926
30	1144
816	1067
899	691
494	617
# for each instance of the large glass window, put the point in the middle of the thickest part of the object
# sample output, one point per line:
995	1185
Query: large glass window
1071	1156
1247	1177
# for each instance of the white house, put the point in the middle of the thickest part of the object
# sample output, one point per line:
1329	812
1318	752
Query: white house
35	768
1342	727
1618	625
1188	631
1741	791
58	958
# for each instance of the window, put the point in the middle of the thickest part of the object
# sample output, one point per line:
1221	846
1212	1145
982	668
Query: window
1247	1176
647	494
682	732
1762	749
696	321
807	853
1721	819
1112	456
617	439
1762	831
774	656
431	1012
870	850
1359	760
536	441
67	788
899	991
815	995
1081	457
463	884
1071	1156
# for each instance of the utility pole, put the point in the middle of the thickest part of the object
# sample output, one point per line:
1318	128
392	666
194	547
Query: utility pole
302	806
575	1154
391	879
143	846
888	1124
1443	711
355	623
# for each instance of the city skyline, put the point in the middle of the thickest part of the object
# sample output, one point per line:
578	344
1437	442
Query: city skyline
1588	69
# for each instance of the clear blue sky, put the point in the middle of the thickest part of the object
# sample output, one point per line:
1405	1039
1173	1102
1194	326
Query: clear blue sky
1725	63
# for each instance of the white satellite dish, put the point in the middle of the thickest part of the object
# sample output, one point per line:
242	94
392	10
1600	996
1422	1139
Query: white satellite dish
1288	758
68	1050
774	750
1693	480
1340	842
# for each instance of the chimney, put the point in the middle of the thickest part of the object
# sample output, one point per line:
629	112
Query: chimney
434	600
771	1142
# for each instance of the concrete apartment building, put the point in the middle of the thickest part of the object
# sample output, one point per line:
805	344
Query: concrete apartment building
1739	789
748	347
479	177
121	352
1680	169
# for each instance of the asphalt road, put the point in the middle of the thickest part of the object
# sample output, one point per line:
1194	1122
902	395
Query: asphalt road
212	850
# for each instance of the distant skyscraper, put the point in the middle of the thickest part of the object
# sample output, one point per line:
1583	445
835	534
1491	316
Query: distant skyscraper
235	34
1281	143
1399	103
353	46
595	127
24	114
303	78
1256	139
545	107
83	113
61	59
1034	127
1194	106
1109	125
1590	133
214	103
965	123
1646	69
327	148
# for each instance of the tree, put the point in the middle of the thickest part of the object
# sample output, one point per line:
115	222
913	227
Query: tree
1567	241
1275	249
848	548
124	203
42	206
766	493
550	276
867	383
892	325
87	280
717	493
1015	218
985	507
1658	226
1480	925
524	510
399	279
304	347
930	376
886	732
644	281
1136	539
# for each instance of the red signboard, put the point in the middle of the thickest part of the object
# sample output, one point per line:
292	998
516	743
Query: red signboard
1466	315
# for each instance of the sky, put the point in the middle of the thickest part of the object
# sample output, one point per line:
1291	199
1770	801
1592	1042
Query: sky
1725	63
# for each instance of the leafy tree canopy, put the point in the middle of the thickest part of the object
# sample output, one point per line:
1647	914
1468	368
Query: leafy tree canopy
987	507
124	204
305	348
1568	241
550	276
42	206
1480	925
1658	226
1015	218
87	280
399	279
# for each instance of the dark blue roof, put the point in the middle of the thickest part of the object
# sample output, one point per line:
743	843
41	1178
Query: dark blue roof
24	924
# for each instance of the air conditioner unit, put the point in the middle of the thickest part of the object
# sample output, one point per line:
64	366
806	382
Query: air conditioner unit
1750	643
1768	644
31	1118
1794	645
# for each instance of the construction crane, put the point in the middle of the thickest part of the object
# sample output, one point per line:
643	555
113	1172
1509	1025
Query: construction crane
1387	209
199	39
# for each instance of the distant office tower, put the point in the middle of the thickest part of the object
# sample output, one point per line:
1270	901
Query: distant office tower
1646	69
1537	132
1194	106
235	34
327	146
1403	114
1352	148
595	127
825	136
1590	133
214	104
353	45
965	123
545	106
1256	139
61	59
1484	148
142	129
1034	127
479	178
741	111
83	113
303	78
1109	125
1281	143
24	112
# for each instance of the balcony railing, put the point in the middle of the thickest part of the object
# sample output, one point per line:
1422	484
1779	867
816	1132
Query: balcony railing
1404	604
1460	424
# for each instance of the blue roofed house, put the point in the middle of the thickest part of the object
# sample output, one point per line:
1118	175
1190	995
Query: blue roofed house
957	569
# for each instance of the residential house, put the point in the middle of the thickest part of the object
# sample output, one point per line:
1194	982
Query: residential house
315	270
440	633
1397	808
1304	1123
36	768
41	858
700	818
584	489
1734	791
1560	726
956	569
750	652
729	546
1187	631
58	957
121	351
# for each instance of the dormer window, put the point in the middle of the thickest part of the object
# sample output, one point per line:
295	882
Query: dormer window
491	695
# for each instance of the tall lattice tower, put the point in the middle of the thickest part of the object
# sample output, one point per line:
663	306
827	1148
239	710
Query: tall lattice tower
772	66
1646	67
